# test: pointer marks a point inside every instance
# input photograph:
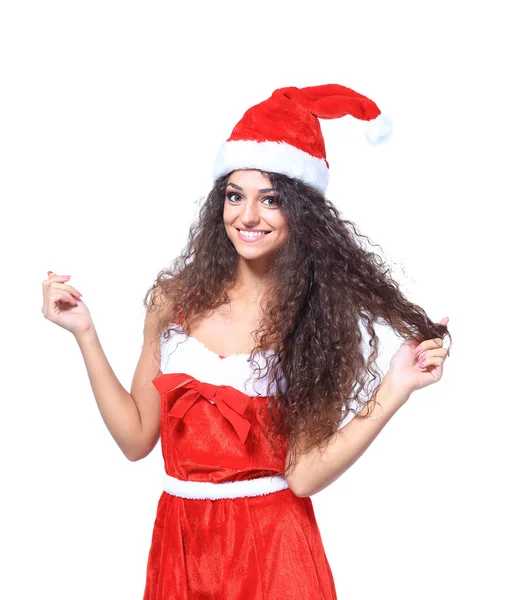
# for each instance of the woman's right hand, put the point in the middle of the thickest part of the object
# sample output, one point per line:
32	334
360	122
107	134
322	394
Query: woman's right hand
62	305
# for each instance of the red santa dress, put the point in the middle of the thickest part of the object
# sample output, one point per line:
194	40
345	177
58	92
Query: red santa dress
227	525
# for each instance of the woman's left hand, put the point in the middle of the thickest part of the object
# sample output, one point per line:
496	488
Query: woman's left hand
415	366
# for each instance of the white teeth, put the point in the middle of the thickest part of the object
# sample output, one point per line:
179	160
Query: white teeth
252	233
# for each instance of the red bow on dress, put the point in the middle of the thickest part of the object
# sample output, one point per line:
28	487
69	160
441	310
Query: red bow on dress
231	403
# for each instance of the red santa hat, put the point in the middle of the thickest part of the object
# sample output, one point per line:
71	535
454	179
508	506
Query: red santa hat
283	135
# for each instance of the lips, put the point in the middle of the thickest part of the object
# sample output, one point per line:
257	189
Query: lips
251	238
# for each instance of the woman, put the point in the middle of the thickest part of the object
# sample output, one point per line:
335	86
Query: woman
254	347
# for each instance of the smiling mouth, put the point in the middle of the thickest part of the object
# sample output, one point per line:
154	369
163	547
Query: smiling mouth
252	238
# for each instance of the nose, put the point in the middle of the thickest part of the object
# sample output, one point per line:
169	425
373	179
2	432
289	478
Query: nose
250	213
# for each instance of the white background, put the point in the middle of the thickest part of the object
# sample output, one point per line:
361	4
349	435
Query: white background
111	116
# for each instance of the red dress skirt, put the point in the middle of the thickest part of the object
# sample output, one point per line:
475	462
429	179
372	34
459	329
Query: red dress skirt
241	547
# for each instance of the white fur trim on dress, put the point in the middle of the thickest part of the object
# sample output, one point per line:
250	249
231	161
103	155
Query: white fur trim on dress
277	157
185	354
202	490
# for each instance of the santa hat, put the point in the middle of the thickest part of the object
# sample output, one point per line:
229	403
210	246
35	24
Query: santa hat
283	135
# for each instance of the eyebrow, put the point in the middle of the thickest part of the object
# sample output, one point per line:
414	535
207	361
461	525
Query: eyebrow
238	187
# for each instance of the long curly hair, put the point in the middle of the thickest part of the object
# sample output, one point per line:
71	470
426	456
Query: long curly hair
324	285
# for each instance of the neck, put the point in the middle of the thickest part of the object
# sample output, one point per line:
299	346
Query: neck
252	280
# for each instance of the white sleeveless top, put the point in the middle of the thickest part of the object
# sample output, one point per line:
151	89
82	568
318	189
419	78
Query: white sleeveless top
185	354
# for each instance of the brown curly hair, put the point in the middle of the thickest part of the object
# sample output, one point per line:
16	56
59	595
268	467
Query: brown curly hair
324	285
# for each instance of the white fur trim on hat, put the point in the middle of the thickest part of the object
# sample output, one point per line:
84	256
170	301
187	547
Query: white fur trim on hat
276	157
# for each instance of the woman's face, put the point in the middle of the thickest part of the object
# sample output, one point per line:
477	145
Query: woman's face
250	206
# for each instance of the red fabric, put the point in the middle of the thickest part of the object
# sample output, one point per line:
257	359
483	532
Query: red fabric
254	548
291	115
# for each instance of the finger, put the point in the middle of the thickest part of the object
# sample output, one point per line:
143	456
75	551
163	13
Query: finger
51	274
59	281
430	360
427	344
62	296
66	289
54	277
441	352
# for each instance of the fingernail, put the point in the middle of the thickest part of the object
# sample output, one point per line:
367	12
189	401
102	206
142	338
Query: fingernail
420	362
416	350
66	276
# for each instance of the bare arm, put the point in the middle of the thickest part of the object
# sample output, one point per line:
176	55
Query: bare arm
131	418
312	473
116	405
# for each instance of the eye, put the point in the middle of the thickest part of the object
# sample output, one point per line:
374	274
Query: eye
231	194
274	203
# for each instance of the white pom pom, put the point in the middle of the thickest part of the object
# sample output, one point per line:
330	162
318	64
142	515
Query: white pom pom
378	130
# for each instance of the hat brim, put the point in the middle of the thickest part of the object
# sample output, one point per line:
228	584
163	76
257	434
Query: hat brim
274	157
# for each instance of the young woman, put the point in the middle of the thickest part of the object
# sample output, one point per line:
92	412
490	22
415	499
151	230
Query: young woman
254	357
